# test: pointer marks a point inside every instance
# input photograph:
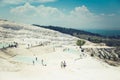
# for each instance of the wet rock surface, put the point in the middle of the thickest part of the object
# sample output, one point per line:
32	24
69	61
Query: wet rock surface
108	55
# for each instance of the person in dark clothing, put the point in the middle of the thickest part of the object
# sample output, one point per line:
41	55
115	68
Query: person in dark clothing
33	62
42	62
36	59
61	64
64	64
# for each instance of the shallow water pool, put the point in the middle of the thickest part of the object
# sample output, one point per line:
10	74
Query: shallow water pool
27	59
72	51
3	45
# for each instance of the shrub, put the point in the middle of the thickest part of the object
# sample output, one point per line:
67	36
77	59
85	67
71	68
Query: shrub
80	42
92	55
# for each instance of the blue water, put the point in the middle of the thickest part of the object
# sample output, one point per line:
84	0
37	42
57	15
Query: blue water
105	32
5	45
72	51
26	59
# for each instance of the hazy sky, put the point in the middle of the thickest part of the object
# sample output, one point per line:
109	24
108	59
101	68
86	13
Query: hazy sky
81	14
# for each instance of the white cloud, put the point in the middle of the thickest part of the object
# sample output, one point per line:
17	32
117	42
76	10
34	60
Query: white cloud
42	14
47	11
11	1
111	14
27	10
24	10
42	1
81	11
80	17
5	2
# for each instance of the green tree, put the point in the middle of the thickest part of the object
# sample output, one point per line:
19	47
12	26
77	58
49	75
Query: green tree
80	42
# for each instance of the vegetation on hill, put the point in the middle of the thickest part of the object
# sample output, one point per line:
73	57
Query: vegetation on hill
80	42
68	30
96	38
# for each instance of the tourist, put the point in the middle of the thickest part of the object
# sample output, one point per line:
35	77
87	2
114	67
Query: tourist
61	64
42	62
64	64
33	62
36	59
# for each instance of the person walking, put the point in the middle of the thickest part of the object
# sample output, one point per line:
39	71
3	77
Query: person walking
61	64
36	58
42	62
33	62
64	64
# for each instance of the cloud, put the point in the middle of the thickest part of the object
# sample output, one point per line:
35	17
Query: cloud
11	1
42	1
80	16
81	11
110	21
5	2
24	10
39	11
111	14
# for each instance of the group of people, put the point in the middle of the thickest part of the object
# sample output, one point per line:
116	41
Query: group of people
36	59
15	44
63	64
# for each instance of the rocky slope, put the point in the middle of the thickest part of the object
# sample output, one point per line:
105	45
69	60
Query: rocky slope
30	36
27	36
108	55
21	33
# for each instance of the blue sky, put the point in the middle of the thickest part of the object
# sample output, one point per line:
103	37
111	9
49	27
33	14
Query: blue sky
80	14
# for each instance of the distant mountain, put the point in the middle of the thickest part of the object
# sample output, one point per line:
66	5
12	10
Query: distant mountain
69	31
93	37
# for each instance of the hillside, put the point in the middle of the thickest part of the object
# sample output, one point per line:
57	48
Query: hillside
32	53
95	38
29	36
69	31
12	31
